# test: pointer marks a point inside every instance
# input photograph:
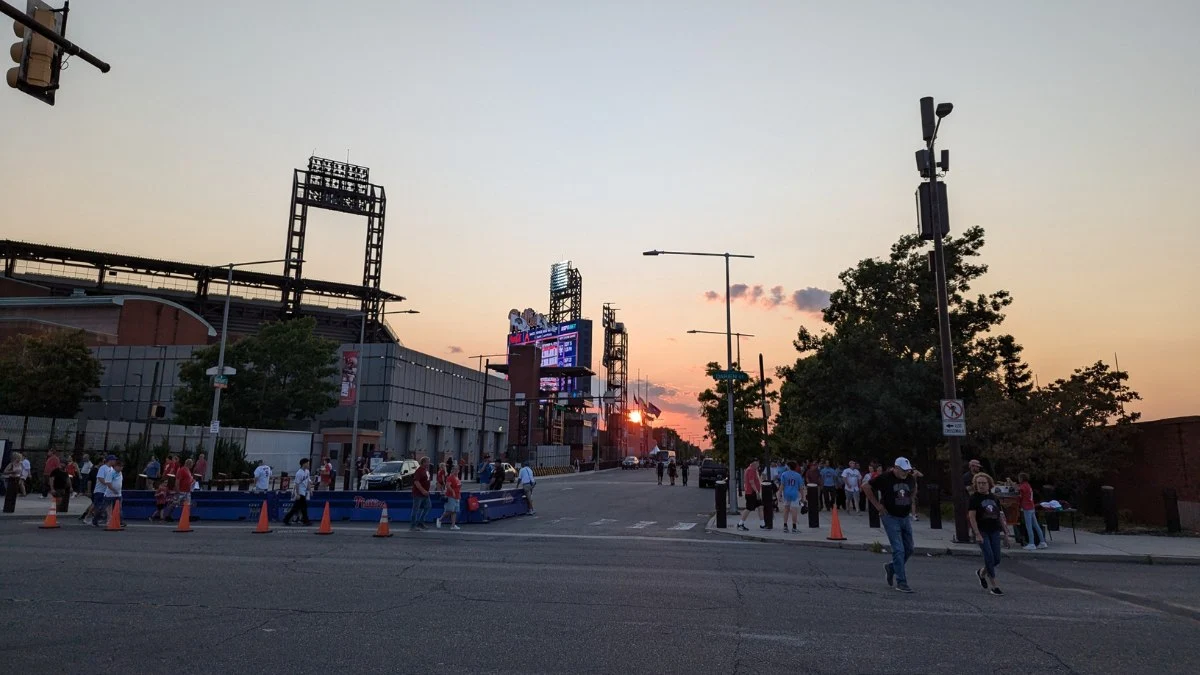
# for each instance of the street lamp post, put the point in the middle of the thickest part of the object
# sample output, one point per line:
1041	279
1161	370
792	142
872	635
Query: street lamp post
352	464
214	428
739	340
483	402
927	165
733	505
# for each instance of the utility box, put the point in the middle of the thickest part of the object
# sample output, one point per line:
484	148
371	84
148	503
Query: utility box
930	227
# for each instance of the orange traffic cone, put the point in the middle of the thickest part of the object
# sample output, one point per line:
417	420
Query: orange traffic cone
325	528
51	522
114	522
263	527
835	530
384	530
185	519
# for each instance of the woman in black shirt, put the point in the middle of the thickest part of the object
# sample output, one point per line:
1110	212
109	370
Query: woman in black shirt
987	520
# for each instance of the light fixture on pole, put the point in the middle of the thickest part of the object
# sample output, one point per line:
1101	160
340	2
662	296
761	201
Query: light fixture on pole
352	462
739	337
733	504
221	374
935	224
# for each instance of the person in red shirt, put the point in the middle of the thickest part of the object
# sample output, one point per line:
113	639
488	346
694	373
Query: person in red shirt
420	496
171	468
752	485
201	469
326	473
52	464
441	475
183	482
453	498
1029	511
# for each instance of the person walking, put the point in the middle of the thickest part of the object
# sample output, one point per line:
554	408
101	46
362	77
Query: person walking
498	476
26	470
684	471
103	476
152	471
986	518
659	468
200	470
262	478
183	482
672	470
48	469
300	490
792	483
829	481
752	485
852	480
891	495
85	475
526	481
453	499
420	496
1029	513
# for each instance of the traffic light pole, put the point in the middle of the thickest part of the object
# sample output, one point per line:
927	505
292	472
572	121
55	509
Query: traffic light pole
62	43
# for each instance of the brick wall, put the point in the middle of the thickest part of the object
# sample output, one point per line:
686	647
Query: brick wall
1167	455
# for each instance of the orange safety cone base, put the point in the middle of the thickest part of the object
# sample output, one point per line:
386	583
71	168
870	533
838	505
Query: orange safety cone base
384	527
835	529
263	523
325	528
51	521
114	523
185	519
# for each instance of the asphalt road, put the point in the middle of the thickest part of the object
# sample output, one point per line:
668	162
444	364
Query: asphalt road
576	589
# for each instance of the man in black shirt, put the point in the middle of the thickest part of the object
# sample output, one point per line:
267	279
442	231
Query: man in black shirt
895	488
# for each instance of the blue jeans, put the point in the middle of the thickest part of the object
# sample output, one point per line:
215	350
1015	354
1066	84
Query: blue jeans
990	545
421	508
899	533
98	507
1032	525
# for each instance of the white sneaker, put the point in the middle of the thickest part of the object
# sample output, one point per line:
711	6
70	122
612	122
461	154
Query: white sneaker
1042	545
1029	547
438	523
455	527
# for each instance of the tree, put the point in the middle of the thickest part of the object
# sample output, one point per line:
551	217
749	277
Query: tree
284	372
47	375
747	416
868	386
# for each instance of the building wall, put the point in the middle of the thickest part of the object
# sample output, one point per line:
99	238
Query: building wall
1167	455
144	322
126	384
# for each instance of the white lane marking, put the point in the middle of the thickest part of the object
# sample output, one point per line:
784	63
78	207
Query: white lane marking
618	537
603	521
682	526
559	520
568	488
642	524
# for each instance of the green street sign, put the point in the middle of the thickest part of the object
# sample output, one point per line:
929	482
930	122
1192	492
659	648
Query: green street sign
731	375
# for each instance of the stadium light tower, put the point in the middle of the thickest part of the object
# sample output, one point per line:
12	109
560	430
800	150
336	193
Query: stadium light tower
733	505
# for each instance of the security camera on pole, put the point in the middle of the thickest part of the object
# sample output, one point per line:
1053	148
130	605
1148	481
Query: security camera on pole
935	224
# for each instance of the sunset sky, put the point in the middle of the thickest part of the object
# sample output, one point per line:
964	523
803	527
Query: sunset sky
511	135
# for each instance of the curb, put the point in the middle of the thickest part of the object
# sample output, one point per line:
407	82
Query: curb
1146	559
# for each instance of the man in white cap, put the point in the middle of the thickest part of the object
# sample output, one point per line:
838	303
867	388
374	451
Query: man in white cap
891	493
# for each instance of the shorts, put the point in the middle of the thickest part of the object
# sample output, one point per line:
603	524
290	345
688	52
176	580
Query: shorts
451	505
792	503
752	501
528	490
185	498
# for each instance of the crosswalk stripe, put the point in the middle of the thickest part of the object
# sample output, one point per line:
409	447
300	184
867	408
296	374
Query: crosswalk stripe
642	524
603	521
682	526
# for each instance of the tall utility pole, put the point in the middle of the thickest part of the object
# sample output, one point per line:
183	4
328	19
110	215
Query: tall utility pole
936	225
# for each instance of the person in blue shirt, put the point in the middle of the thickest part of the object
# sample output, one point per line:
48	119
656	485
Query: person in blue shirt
829	481
792	484
152	471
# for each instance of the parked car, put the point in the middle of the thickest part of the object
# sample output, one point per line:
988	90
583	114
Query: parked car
397	475
630	462
712	471
485	473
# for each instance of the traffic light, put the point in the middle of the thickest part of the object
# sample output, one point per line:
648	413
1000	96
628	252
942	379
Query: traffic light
38	59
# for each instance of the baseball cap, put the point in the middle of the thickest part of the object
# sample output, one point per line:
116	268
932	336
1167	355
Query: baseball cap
110	458
903	463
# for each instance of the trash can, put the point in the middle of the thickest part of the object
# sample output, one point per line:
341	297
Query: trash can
768	504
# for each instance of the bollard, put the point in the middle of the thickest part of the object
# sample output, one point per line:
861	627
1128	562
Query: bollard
768	504
11	488
872	516
1108	502
1171	499
935	506
814	506
722	493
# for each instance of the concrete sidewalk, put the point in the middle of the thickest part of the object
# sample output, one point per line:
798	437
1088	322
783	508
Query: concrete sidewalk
859	535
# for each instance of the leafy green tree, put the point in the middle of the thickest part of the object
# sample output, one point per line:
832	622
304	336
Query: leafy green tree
284	372
47	375
747	415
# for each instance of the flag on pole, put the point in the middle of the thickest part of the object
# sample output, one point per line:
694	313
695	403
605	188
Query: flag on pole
652	409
